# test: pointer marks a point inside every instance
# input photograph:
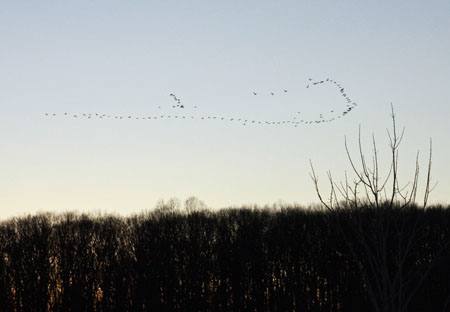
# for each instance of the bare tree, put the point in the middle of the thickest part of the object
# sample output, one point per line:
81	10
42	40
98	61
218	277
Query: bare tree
193	204
171	207
386	241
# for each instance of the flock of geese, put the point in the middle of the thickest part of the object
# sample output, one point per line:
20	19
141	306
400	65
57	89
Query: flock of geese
294	121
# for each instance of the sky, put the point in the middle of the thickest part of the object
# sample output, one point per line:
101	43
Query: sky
125	58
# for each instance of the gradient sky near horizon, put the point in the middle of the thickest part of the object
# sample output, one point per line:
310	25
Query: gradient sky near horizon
125	58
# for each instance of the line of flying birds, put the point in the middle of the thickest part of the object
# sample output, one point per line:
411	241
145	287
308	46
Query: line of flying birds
271	93
293	122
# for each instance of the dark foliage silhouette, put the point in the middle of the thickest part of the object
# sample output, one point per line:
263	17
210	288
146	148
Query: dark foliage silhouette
247	259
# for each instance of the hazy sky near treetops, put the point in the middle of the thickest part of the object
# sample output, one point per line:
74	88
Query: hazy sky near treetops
124	58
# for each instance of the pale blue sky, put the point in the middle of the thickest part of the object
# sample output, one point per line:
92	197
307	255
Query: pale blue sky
125	58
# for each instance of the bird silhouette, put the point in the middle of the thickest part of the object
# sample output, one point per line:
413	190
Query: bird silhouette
350	105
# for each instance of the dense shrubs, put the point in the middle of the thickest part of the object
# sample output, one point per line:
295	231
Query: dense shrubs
230	260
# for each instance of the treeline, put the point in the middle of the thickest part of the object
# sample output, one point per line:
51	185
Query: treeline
247	259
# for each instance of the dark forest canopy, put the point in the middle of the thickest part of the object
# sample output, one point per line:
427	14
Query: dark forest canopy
239	259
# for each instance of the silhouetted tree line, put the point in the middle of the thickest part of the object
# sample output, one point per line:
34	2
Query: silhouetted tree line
247	259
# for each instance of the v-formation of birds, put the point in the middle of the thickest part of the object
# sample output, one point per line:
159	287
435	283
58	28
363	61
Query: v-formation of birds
177	104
